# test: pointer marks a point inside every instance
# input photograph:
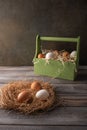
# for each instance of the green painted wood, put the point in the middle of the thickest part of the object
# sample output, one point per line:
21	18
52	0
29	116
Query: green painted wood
60	39
53	68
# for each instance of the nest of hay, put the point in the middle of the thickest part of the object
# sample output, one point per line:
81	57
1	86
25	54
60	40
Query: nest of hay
10	91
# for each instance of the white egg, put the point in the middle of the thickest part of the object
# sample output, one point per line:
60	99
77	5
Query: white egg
49	55
73	54
42	94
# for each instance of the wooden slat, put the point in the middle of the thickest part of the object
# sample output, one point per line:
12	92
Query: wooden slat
29	72
72	94
43	78
22	127
16	68
59	116
75	89
29	67
8	74
74	102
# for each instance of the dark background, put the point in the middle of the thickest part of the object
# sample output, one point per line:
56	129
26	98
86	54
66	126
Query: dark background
22	20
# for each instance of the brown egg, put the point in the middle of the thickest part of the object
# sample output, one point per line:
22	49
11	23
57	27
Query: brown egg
65	54
24	96
40	55
36	86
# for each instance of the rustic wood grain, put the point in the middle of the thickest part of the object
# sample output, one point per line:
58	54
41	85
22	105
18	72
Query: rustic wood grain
8	74
71	114
58	116
22	127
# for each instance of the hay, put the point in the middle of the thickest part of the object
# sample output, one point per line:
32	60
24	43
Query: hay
9	93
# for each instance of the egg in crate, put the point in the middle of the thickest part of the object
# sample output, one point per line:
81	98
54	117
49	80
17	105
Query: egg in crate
65	54
40	55
73	54
42	94
49	55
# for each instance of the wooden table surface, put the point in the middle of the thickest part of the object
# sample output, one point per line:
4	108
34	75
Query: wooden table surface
71	115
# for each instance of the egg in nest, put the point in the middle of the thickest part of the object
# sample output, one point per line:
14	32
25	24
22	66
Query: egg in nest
36	86
42	94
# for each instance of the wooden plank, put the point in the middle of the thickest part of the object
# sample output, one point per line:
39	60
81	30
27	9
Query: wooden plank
75	89
16	68
24	76
28	72
8	74
74	102
71	93
58	116
82	69
22	127
26	69
42	78
29	67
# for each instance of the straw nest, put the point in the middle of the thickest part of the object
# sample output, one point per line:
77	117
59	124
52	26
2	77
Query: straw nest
9	97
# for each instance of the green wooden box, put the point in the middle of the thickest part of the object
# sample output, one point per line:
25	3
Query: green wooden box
55	68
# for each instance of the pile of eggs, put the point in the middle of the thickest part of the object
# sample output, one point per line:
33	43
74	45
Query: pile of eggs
36	91
58	55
